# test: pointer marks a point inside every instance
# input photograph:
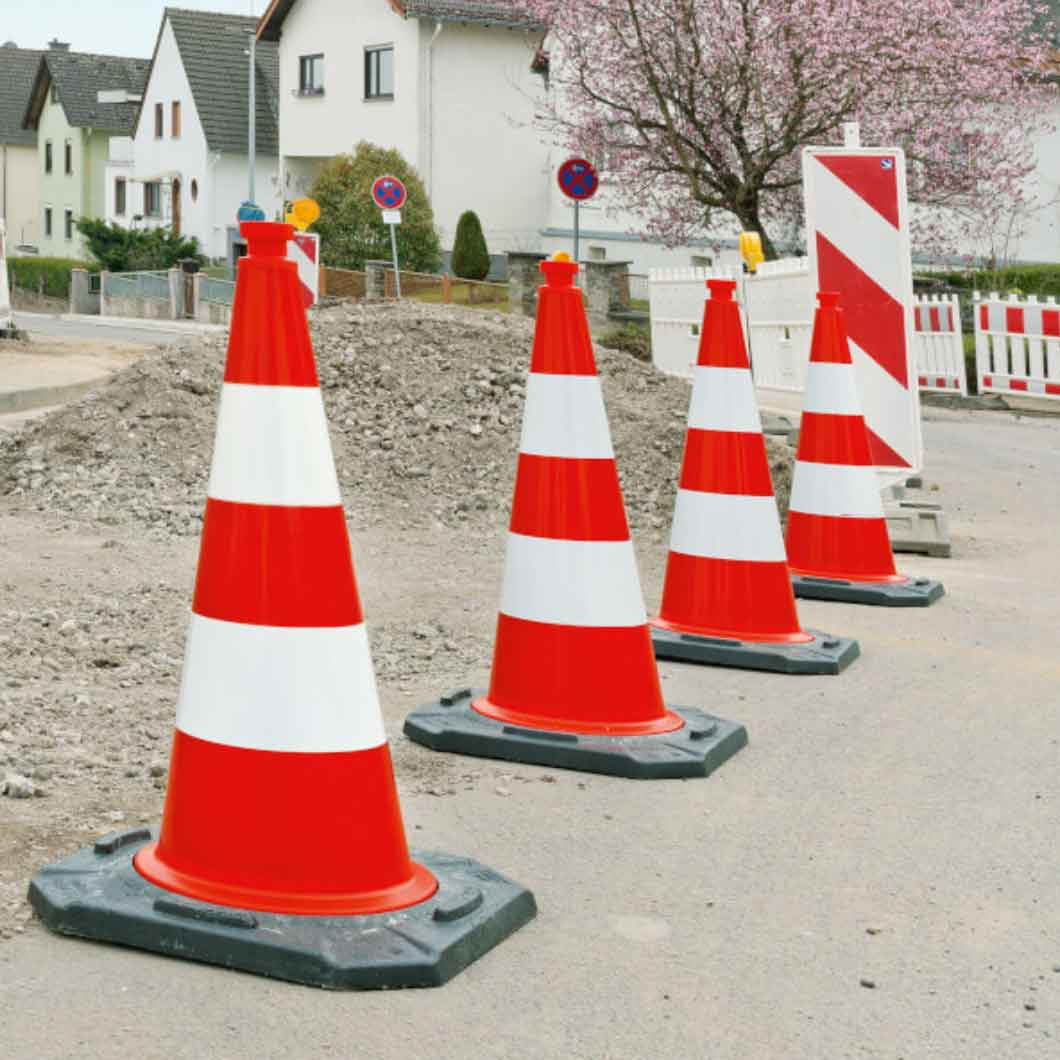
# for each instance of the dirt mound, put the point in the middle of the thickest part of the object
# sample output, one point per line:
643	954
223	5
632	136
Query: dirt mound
424	404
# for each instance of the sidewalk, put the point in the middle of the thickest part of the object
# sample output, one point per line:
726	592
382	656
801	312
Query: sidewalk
179	327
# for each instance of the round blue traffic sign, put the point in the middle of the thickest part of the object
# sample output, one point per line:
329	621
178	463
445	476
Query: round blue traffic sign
578	179
388	193
250	211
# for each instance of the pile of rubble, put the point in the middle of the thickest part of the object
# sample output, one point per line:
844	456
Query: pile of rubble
424	404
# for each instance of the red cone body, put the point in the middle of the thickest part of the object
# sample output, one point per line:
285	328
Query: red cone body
727	575
281	793
573	652
836	527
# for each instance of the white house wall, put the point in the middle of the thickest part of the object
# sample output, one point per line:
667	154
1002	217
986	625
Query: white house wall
482	151
185	155
331	124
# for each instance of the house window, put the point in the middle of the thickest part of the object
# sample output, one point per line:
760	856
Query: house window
47	156
119	196
598	253
379	73
174	120
48	221
68	224
311	75
53	94
68	158
153	199
194	190
159	120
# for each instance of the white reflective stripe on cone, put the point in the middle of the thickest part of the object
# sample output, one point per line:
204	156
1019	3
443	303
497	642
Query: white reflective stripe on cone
836	489
565	417
572	583
723	399
832	388
273	448
727	526
279	688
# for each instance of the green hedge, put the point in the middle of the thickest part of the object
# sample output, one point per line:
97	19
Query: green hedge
50	276
1026	279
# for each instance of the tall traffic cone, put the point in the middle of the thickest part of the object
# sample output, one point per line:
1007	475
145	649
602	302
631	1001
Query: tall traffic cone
727	597
282	849
837	542
574	681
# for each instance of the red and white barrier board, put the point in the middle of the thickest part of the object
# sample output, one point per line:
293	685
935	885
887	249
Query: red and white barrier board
304	251
1017	346
940	345
857	237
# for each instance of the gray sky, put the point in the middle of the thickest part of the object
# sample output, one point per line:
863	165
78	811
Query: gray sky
107	27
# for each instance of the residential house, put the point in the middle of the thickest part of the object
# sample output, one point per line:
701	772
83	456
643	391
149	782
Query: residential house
19	197
189	167
455	86
77	103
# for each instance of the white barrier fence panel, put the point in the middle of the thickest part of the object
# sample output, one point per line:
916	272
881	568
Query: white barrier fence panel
939	344
676	298
1017	345
778	301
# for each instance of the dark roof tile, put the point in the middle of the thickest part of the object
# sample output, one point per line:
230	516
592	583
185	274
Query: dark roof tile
18	70
213	50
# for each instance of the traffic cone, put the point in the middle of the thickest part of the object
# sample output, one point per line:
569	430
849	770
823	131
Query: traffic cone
727	597
574	681
282	849
837	541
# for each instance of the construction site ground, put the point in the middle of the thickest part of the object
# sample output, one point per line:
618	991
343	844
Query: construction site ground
875	876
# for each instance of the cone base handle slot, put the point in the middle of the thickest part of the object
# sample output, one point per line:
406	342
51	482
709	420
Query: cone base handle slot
701	745
824	653
913	592
98	894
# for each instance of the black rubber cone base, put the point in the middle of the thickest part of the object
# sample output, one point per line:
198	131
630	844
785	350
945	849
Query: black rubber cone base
695	750
98	894
825	654
913	592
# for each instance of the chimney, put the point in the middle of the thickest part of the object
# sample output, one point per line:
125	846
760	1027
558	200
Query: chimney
57	45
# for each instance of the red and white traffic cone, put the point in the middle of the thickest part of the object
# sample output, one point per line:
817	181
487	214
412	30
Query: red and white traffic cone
281	798
574	681
837	542
727	596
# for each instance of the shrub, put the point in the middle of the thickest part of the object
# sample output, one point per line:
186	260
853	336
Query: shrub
121	249
471	258
351	226
1040	280
50	276
634	339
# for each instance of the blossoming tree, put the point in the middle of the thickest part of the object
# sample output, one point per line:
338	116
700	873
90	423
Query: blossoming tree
699	108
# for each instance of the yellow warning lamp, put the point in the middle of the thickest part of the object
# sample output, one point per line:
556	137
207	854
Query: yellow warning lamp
561	255
751	250
303	213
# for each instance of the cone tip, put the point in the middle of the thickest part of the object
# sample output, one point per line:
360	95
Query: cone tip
559	270
266	239
722	290
828	299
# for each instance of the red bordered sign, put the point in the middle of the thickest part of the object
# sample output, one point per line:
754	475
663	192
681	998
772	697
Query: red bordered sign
388	193
578	179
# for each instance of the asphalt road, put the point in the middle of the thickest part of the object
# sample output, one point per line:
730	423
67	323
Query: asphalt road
875	876
53	326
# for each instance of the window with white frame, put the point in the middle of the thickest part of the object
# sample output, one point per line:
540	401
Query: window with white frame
119	196
68	224
153	198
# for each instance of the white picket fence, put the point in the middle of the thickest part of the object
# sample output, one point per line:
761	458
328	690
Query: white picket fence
676	299
940	344
1017	345
777	304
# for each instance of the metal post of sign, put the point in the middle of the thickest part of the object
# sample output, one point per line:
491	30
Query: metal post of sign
393	248
577	226
252	125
